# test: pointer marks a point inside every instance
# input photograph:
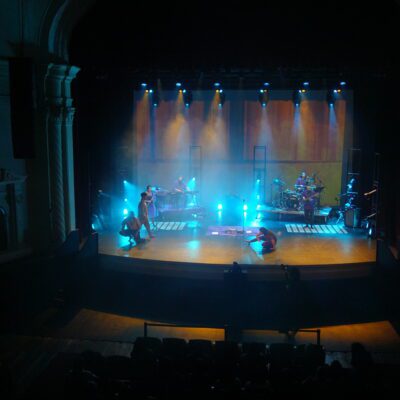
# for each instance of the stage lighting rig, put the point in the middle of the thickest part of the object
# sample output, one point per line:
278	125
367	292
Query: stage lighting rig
221	99
155	99
330	98
187	98
263	97
296	97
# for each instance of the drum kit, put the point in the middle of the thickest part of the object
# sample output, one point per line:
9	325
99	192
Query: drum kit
288	199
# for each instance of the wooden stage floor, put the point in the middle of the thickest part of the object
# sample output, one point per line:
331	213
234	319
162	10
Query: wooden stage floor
192	245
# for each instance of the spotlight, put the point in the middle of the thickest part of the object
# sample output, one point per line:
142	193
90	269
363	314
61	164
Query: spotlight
151	91
372	230
125	212
342	83
143	85
125	200
178	84
219	207
125	182
306	83
187	98
330	98
156	99
263	97
217	84
266	84
296	97
245	207
221	99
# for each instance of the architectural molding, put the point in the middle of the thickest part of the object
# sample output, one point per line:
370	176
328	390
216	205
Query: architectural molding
7	177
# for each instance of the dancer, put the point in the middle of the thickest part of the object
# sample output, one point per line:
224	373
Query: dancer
131	228
143	213
268	239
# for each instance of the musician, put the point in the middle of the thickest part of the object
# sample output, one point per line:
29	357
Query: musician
130	227
180	189
309	206
268	239
144	214
302	179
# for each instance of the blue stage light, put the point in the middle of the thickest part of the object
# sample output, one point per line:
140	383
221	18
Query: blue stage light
217	84
125	212
245	207
125	200
178	84
258	207
306	83
143	85
264	105
155	105
187	105
220	90
343	83
261	90
266	83
184	91
151	91
219	207
125	181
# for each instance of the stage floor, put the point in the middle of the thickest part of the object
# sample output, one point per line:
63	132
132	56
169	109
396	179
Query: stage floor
207	243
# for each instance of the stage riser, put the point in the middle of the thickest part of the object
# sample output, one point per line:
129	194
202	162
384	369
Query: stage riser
278	216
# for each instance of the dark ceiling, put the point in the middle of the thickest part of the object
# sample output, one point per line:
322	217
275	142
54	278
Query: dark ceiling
202	36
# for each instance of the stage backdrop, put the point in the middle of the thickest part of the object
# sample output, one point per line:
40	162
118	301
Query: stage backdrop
311	137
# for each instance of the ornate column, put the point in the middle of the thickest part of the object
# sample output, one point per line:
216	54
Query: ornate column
60	115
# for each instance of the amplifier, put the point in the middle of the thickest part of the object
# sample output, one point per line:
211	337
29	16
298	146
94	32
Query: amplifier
352	218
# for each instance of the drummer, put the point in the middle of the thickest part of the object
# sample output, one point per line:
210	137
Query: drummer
301	180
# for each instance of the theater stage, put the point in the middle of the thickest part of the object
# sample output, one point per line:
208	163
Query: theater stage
198	249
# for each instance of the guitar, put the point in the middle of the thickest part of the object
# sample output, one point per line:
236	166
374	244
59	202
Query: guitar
309	199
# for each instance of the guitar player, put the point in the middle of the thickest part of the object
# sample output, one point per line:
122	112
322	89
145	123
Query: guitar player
309	206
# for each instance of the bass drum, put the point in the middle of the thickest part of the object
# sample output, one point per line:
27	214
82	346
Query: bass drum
292	203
